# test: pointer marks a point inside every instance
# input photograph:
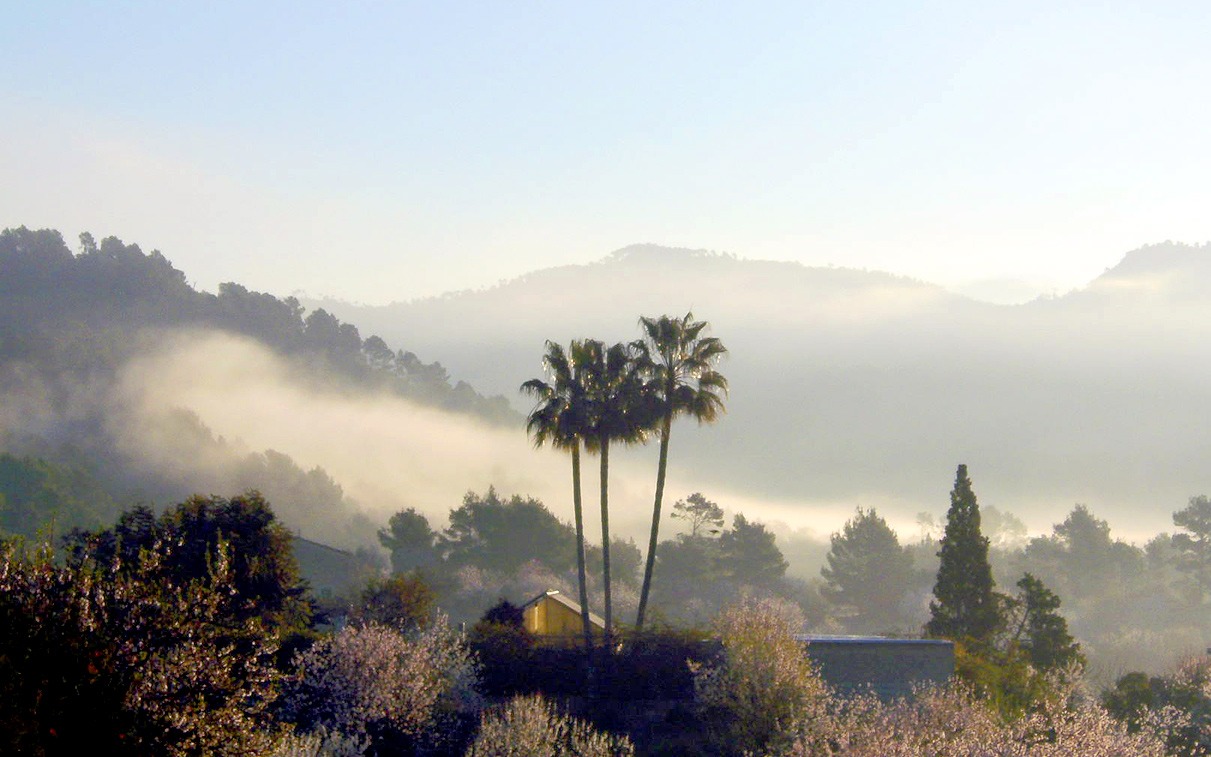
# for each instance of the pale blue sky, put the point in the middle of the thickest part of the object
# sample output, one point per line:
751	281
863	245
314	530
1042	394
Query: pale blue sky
383	151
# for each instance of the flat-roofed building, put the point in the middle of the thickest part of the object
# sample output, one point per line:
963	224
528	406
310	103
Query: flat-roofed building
887	667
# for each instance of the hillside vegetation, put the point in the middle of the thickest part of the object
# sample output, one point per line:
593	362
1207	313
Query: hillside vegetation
73	324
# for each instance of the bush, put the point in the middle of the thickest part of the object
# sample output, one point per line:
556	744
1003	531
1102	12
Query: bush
952	721
505	650
529	726
763	691
102	659
374	681
404	602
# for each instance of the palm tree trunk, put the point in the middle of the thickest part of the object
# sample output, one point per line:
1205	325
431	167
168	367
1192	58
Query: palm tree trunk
605	542
580	570
650	565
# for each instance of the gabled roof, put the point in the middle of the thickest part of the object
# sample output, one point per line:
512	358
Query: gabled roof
557	596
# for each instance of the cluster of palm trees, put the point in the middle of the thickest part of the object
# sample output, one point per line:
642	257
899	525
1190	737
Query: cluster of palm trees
595	395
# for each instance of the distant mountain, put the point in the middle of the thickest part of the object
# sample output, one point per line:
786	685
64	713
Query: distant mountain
859	387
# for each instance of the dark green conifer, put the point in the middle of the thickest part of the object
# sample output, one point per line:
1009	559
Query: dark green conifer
1044	632
964	606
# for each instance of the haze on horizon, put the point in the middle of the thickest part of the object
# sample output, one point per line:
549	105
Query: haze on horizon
384	153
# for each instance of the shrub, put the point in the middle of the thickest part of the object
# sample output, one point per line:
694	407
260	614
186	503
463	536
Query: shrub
104	659
375	681
530	726
952	721
404	601
763	691
505	650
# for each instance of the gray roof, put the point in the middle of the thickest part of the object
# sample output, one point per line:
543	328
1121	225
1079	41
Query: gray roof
871	640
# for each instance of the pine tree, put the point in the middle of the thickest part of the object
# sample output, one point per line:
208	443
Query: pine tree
1043	632
965	605
868	574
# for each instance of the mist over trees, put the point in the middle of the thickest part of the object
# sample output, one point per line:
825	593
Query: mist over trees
63	312
858	387
72	324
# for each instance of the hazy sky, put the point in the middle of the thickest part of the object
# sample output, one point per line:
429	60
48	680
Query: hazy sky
384	151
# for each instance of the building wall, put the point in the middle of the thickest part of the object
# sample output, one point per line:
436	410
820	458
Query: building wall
547	617
889	667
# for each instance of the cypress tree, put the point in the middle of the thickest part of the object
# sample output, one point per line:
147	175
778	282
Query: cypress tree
964	605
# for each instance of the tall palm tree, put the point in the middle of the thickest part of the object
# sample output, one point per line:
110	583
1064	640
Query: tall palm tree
560	416
618	413
679	362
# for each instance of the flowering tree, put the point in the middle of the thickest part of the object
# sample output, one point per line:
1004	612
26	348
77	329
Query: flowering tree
373	680
763	691
952	721
1180	701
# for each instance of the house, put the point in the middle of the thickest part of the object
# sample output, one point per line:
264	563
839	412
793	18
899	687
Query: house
331	572
554	618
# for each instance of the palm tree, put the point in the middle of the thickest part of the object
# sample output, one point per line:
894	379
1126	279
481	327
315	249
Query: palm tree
618	413
560	417
679	362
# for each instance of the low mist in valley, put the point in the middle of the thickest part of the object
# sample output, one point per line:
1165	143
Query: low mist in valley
854	388
1077	416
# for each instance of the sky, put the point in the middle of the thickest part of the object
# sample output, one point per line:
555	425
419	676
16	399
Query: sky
380	152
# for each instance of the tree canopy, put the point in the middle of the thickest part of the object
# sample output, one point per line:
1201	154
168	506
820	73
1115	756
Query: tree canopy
750	554
704	516
1194	545
1043	632
497	534
868	573
410	540
264	573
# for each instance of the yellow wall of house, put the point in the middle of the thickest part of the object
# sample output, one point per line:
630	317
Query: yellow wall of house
546	617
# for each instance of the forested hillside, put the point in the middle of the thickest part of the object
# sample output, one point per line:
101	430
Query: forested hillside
63	312
72	323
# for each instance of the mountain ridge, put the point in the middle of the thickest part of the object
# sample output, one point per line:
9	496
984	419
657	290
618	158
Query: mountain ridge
866	388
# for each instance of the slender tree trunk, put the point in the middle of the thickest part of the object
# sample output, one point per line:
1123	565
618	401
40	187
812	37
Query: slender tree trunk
605	542
650	566
580	569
